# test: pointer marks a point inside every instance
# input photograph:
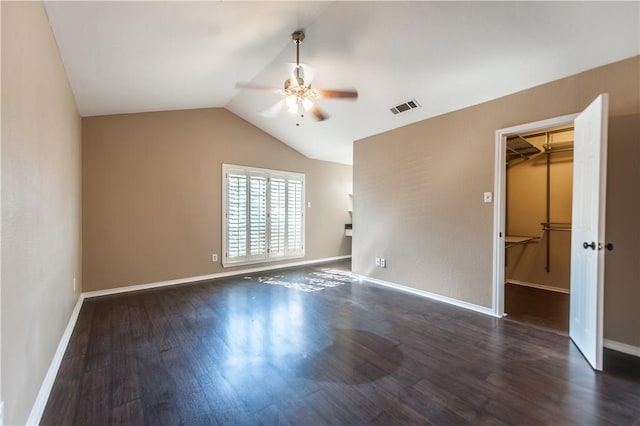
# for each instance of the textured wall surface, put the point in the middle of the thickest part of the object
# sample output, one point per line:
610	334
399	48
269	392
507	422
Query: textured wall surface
152	194
41	207
418	193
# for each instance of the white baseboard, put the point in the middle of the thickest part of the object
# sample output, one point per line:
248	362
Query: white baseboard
188	280
540	286
47	384
622	347
445	299
1	413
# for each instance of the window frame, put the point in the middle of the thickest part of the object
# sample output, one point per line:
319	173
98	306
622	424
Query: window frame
269	174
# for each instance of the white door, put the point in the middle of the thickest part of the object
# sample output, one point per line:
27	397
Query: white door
588	230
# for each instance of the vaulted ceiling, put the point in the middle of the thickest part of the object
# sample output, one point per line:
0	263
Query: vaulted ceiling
124	57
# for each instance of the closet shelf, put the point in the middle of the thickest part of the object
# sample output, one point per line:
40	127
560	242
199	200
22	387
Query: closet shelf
517	240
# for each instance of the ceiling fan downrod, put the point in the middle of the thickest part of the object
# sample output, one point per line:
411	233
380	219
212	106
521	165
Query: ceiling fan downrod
298	38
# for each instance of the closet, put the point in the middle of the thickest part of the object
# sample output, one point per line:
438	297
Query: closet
539	180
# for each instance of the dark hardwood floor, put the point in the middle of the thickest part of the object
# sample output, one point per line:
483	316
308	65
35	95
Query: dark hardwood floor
544	308
309	347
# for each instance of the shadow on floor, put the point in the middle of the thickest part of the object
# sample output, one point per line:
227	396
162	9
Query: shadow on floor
346	359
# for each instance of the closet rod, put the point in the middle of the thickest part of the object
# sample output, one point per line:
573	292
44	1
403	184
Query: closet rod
556	226
551	228
554	150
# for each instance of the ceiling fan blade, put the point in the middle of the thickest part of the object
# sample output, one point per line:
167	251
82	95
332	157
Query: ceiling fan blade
274	110
252	86
344	94
318	113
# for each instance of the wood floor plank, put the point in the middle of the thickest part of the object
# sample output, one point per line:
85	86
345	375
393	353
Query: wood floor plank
298	412
93	404
130	413
226	406
351	396
258	350
271	415
334	412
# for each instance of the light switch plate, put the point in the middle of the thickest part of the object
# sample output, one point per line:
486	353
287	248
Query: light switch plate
488	197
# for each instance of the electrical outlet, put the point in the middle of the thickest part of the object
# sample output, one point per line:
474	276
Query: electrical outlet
214	257
383	262
377	261
74	284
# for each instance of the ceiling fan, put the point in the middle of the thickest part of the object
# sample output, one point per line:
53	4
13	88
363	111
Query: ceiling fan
298	94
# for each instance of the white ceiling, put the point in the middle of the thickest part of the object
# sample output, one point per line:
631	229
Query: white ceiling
124	57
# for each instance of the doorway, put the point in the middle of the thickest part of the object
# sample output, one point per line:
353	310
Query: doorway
588	239
538	204
500	221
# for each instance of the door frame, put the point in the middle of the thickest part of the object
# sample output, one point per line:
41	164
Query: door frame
499	208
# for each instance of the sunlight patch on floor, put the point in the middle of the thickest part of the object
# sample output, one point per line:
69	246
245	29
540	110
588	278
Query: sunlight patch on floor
312	281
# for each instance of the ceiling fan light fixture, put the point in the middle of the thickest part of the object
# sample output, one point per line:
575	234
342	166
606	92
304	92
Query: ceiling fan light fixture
291	101
307	104
298	94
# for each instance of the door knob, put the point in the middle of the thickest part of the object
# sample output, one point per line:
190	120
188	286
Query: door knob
587	245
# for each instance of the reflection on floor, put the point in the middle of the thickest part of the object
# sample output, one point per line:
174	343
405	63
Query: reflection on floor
314	281
234	351
543	308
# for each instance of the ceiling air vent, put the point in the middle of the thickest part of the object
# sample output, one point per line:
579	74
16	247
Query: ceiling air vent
405	106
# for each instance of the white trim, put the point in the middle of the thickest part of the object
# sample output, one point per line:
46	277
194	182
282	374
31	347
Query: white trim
445	299
1	413
622	347
499	208
188	280
499	191
536	285
47	384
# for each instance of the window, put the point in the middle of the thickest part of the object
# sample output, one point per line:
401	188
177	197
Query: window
263	215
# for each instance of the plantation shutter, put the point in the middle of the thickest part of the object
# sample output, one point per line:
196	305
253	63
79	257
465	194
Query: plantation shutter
257	217
236	216
278	217
263	215
294	217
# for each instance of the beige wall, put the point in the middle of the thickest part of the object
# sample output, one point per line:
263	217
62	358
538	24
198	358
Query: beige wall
41	210
1	402
152	194
418	193
526	208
